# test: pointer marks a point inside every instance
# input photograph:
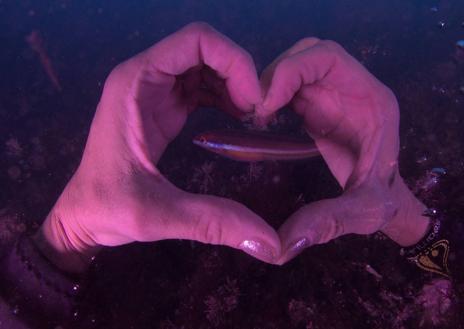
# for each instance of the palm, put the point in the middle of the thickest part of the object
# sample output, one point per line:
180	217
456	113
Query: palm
327	124
342	115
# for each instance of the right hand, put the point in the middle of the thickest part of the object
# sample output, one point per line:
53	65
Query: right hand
118	195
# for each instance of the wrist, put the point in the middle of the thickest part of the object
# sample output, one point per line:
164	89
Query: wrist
408	225
63	240
57	247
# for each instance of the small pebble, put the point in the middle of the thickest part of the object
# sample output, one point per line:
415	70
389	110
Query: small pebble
422	159
15	310
438	171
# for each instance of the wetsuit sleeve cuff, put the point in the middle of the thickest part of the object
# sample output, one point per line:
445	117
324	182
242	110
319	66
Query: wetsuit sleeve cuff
34	287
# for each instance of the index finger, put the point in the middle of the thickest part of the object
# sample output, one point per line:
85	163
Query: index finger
296	70
198	43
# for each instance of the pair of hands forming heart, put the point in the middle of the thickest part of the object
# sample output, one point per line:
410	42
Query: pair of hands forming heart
118	196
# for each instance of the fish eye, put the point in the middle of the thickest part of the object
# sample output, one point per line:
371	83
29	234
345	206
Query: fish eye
202	140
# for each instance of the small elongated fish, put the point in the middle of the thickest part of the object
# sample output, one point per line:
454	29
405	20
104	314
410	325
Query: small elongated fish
255	146
35	41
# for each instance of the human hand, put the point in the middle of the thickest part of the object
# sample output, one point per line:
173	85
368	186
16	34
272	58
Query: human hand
354	121
117	194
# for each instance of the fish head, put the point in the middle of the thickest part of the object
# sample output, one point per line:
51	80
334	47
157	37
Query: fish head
204	140
199	140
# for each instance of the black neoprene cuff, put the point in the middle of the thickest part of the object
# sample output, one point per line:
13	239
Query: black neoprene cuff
35	288
431	252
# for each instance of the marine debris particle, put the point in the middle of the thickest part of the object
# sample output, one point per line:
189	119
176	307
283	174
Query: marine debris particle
372	271
35	41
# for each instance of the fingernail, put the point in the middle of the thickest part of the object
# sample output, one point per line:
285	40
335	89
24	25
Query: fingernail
258	249
298	246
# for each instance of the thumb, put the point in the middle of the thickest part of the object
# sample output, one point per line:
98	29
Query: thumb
215	220
361	211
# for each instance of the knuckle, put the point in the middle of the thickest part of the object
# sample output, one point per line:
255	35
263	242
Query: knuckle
240	58
283	65
332	46
337	227
246	57
118	74
209	232
199	28
390	97
386	94
114	74
390	104
308	42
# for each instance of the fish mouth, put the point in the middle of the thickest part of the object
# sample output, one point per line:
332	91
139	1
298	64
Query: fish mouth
197	142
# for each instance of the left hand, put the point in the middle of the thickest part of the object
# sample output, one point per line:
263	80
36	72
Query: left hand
117	195
354	121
